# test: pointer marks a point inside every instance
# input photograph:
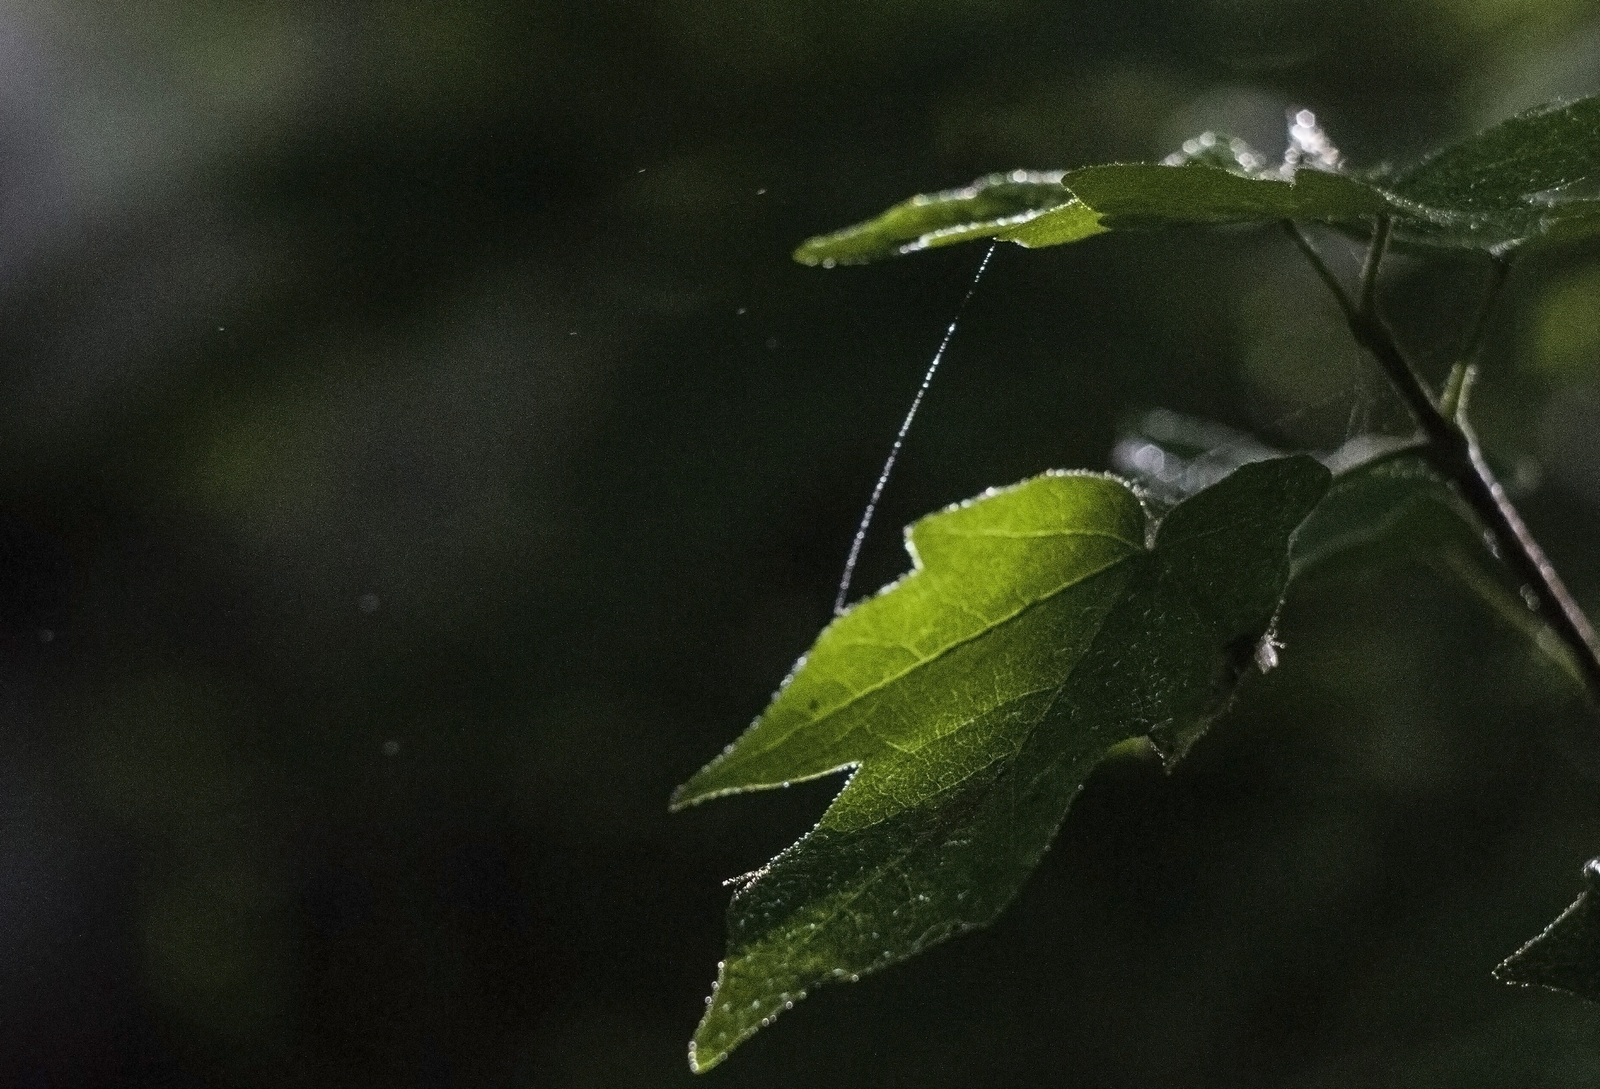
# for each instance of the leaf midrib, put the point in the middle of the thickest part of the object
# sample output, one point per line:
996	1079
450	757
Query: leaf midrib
878	686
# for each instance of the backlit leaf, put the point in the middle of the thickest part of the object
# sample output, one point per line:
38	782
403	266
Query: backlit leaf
1145	195
1039	629
978	210
1052	209
1532	178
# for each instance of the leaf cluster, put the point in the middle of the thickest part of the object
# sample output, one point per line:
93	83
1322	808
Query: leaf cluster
1046	625
1527	180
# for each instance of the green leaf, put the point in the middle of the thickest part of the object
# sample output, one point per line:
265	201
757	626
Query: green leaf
972	698
1144	195
1397	504
1524	163
1374	500
979	210
1386	503
1532	178
1055	209
1566	955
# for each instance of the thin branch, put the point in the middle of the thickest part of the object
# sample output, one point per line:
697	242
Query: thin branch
1322	269
1369	269
1453	452
1463	404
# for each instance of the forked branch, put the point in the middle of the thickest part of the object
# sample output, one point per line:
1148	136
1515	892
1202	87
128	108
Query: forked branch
1453	449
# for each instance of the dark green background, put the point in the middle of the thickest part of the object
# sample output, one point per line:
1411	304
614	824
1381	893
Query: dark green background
418	454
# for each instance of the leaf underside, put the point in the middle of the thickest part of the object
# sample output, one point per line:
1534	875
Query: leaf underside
972	698
1534	178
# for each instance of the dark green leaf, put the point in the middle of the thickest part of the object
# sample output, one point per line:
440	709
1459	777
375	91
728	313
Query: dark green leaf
1385	503
1370	501
1566	956
1576	221
1397	504
1038	631
1523	163
1531	177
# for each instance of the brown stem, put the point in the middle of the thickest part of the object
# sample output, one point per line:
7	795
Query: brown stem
1453	451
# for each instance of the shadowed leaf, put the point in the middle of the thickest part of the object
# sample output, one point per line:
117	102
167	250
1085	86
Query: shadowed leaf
1385	503
1533	178
1524	162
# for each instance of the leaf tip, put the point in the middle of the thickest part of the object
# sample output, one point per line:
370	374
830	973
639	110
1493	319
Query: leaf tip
813	253
699	1064
691	793
720	1030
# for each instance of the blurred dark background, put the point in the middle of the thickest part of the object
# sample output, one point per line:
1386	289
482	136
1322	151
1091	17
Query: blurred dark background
418	454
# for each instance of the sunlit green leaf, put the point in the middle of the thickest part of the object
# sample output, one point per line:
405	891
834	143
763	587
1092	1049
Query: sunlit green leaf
1038	630
1533	178
1135	195
1054	209
978	210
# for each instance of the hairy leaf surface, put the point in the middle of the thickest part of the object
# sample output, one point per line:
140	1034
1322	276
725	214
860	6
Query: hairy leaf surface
972	698
1385	503
1531	175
